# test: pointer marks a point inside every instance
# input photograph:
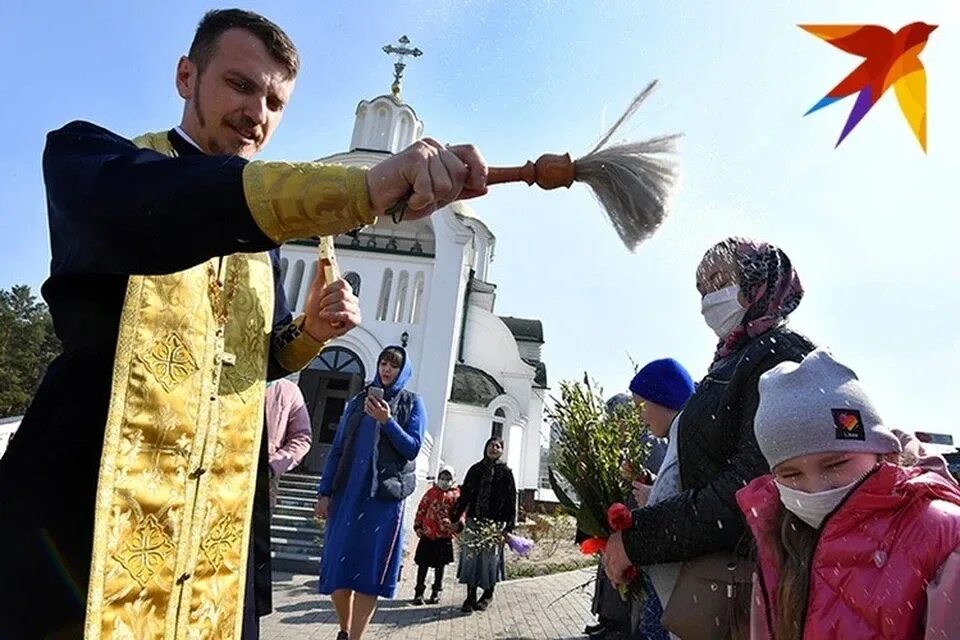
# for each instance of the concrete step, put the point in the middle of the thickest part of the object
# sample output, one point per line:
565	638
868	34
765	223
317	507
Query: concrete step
295	563
291	521
298	492
298	483
300	477
303	511
294	545
296	501
300	533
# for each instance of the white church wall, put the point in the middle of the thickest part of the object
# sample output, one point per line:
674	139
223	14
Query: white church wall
373	335
468	428
442	320
8	427
484	240
532	440
514	440
490	346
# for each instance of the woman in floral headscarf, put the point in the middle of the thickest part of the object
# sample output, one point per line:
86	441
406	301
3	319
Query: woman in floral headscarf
748	290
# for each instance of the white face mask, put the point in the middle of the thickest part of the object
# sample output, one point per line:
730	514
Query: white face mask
722	310
812	508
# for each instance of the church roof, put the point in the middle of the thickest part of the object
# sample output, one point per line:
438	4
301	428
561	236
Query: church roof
461	208
540	377
392	98
524	329
473	386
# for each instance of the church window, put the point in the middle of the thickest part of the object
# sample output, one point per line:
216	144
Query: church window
417	302
353	279
499	417
384	302
295	284
338	360
401	298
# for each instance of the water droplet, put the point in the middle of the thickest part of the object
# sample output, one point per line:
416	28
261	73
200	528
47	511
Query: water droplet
879	558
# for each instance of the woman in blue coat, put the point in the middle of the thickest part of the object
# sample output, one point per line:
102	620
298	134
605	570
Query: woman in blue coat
369	473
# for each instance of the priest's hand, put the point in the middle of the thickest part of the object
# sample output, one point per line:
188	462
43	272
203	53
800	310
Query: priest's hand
430	175
331	309
377	409
322	508
615	560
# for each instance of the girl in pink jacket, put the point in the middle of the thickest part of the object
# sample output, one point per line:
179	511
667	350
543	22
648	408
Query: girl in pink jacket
850	543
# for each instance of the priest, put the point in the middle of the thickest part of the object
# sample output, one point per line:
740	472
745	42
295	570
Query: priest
126	495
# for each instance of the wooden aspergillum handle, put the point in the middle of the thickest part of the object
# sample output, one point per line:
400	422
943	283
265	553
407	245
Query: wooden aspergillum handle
550	171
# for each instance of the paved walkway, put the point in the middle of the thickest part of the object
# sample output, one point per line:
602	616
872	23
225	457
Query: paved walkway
522	610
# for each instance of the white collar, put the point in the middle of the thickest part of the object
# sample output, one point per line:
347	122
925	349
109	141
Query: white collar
183	134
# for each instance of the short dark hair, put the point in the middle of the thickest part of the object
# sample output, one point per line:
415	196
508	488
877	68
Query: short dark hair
215	23
393	356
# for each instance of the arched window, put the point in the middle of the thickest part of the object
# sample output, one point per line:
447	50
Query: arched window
338	360
295	283
417	301
384	302
401	299
353	278
307	283
499	418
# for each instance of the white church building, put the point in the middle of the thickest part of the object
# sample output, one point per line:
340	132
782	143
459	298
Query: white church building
426	285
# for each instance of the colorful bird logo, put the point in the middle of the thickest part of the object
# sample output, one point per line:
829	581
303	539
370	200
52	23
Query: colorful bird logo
890	59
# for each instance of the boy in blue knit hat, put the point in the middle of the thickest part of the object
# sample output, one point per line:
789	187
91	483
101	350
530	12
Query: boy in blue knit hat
660	389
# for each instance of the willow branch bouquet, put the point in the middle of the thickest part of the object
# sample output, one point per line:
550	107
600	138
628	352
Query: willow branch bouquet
587	459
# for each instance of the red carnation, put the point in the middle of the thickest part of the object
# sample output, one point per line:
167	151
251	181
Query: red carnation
592	546
619	517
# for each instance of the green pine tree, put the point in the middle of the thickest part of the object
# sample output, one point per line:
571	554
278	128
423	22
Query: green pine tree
27	345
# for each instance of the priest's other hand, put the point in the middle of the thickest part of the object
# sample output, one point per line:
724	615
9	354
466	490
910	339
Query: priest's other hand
331	309
430	175
615	560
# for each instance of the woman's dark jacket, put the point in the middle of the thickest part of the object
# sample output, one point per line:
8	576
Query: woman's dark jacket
502	505
718	455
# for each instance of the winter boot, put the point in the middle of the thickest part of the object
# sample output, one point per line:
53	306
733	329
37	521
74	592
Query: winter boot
470	604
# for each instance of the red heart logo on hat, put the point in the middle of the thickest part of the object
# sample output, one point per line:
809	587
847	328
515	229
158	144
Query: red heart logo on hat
848	421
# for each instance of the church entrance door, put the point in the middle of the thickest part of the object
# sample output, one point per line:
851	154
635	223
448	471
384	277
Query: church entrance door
335	376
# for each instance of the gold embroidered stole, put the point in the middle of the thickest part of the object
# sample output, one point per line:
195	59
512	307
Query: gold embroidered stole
178	472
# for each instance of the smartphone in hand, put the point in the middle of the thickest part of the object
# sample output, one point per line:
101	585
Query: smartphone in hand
375	392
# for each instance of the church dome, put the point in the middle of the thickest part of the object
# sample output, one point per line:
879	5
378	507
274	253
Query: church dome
385	124
474	386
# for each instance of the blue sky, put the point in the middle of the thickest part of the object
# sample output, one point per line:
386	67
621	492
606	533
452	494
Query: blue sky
871	226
